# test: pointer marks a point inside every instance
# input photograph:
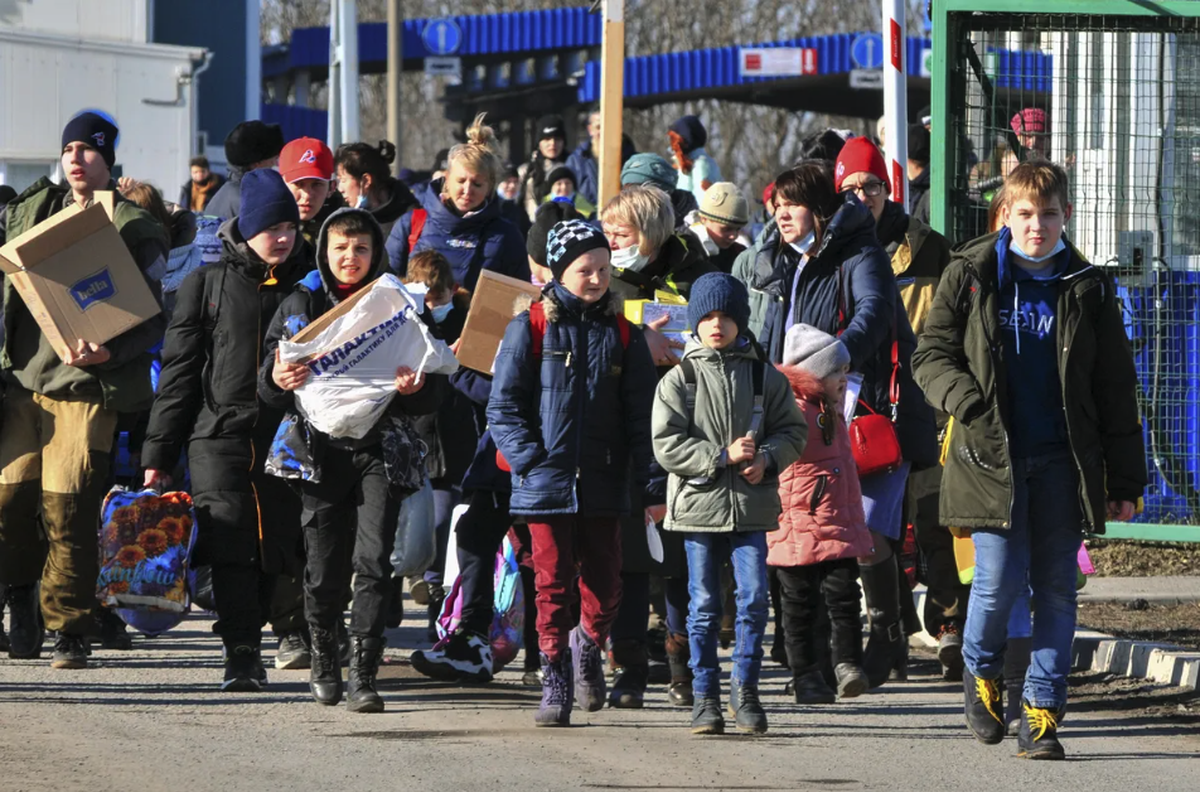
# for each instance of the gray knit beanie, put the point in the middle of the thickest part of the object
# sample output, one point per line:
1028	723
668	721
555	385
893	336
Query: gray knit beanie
814	351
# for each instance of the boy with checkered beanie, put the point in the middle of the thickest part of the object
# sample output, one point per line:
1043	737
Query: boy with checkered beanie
570	414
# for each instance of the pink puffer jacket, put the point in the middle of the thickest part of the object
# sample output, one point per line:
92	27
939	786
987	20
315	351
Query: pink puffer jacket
822	517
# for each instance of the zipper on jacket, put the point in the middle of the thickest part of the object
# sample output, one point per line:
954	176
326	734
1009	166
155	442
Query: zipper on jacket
994	350
1079	492
729	432
818	494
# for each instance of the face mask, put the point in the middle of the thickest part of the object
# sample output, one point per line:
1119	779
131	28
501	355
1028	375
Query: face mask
1059	248
801	246
440	312
629	258
361	203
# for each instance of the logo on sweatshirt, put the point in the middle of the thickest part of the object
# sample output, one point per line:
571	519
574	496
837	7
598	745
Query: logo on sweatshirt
93	289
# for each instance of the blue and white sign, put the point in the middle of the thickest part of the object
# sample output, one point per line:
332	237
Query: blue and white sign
867	51
442	37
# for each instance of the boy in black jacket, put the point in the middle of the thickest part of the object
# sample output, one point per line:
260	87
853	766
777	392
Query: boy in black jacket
352	478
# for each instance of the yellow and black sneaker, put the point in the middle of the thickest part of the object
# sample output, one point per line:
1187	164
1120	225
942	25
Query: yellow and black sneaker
1038	738
984	713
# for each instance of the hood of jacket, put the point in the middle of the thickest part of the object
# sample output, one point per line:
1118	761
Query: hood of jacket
852	221
557	302
237	253
1006	266
806	385
743	347
322	276
981	255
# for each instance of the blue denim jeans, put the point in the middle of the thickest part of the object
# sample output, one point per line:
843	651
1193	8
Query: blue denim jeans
705	554
1036	554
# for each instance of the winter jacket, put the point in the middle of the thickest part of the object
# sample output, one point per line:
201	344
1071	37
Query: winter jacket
586	167
401	202
449	433
228	201
529	196
570	424
703	494
704	171
919	257
208	389
483	240
483	473
847	289
960	365
679	262
312	297
743	270
209	190
822	516
27	359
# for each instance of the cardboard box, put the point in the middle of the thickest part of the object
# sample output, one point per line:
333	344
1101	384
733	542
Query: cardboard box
491	311
77	277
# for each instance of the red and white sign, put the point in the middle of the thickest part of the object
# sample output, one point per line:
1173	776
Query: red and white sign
778	62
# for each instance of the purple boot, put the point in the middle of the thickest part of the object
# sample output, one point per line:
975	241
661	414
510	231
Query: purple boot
590	688
555	709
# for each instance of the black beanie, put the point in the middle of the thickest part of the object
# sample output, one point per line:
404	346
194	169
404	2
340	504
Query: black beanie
548	215
568	241
550	126
97	130
251	142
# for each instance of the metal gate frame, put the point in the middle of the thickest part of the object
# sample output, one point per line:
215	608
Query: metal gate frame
949	79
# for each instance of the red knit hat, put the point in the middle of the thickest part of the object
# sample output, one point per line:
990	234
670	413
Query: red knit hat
1030	121
860	154
305	158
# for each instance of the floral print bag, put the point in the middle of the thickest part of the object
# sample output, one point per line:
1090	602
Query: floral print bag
146	542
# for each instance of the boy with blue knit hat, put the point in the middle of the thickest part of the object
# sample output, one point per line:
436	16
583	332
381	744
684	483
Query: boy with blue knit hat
249	522
725	424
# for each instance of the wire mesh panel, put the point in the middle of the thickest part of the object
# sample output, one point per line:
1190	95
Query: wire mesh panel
1116	100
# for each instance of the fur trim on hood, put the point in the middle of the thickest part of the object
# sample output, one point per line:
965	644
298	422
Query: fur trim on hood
805	384
552	306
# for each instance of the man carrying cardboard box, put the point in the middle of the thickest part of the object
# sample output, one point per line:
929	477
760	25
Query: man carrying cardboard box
59	413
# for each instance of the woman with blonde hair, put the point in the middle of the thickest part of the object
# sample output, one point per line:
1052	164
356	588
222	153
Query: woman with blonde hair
459	216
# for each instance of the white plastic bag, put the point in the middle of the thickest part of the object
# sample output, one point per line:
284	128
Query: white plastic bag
353	360
416	541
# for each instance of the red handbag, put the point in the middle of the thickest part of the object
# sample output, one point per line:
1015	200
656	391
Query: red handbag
874	443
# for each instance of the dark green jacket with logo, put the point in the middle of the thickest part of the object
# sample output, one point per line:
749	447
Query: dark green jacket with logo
26	357
959	363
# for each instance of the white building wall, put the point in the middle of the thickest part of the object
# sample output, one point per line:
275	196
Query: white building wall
101	20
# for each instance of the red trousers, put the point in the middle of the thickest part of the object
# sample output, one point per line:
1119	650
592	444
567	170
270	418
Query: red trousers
565	545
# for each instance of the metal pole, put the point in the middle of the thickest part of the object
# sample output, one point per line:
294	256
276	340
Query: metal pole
334	128
612	98
395	66
895	98
349	73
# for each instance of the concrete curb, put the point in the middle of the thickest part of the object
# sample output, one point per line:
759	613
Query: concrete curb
1093	651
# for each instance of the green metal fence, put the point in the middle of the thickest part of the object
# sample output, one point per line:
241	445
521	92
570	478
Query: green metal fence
1111	90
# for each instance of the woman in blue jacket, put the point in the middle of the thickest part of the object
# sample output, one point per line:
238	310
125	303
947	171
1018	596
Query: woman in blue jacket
826	268
460	217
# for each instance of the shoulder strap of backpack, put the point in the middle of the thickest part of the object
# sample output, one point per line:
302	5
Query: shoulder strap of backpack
760	375
537	327
419	216
689	382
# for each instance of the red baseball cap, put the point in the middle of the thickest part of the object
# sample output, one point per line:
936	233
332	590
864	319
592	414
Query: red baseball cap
858	155
305	158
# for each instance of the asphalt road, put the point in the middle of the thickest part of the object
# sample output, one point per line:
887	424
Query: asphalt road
153	719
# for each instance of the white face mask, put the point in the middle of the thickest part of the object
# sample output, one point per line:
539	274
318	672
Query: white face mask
629	258
440	312
1059	248
801	246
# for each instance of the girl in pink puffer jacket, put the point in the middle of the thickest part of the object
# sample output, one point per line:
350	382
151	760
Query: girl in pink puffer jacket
822	530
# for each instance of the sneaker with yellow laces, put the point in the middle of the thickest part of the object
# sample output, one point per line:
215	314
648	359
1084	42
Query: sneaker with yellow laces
1038	738
984	712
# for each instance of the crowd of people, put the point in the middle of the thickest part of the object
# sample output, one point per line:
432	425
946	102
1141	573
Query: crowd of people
847	378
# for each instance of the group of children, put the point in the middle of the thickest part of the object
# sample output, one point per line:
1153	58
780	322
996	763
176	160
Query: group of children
1024	348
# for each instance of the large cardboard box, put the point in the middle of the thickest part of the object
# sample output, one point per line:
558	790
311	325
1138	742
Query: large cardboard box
77	277
491	311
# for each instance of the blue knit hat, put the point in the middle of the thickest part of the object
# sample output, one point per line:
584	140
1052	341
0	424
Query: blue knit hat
691	133
266	201
647	168
717	291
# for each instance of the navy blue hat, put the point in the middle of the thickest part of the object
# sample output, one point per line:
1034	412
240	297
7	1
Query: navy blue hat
717	291
569	240
266	201
691	133
98	130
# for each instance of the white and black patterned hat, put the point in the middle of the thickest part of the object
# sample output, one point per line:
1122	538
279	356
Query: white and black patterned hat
569	240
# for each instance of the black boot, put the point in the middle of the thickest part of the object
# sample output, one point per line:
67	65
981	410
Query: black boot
629	684
365	654
1016	664
886	646
678	654
25	631
113	633
325	672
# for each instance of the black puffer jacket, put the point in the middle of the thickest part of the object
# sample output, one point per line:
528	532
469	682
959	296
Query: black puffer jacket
210	360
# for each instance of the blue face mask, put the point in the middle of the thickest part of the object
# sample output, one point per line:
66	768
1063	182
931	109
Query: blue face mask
1059	248
440	312
361	203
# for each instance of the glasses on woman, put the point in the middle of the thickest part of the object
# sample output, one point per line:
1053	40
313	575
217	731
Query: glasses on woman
870	189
